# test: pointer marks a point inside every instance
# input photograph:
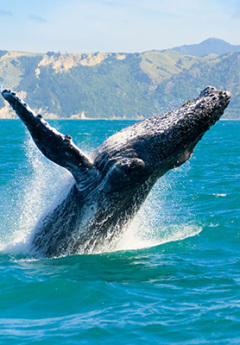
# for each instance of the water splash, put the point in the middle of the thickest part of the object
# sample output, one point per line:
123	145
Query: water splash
46	184
35	191
158	221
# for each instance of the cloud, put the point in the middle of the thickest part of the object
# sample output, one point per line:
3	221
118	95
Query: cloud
5	13
37	19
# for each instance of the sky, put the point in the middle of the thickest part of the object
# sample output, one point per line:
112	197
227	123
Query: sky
115	25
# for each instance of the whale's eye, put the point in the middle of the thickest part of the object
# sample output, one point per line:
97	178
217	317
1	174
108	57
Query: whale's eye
68	137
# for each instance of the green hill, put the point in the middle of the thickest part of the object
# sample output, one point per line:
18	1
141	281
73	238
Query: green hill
113	85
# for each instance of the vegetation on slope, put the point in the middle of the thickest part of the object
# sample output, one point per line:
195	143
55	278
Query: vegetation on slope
116	85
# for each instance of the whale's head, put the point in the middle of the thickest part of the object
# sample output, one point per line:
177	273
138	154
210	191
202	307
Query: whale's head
158	144
167	141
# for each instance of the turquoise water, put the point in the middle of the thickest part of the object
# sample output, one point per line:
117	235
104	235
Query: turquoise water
175	278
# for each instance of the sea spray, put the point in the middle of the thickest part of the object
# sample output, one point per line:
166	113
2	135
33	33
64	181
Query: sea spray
161	219
36	189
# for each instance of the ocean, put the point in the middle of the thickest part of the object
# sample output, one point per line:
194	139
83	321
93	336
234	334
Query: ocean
174	277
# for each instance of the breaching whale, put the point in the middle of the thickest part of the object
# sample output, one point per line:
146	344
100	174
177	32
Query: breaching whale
113	182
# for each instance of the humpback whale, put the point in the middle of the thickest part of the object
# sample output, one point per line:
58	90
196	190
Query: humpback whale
113	182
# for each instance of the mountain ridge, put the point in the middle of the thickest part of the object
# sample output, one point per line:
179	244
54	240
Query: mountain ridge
115	85
209	46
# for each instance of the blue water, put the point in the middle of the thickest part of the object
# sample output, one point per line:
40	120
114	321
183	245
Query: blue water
175	278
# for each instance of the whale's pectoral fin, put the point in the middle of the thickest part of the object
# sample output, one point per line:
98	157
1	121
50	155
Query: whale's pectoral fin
55	146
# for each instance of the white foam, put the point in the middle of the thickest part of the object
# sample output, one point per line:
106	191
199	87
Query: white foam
34	194
154	224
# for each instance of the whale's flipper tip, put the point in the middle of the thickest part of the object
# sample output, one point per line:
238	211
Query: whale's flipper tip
5	93
55	146
12	97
